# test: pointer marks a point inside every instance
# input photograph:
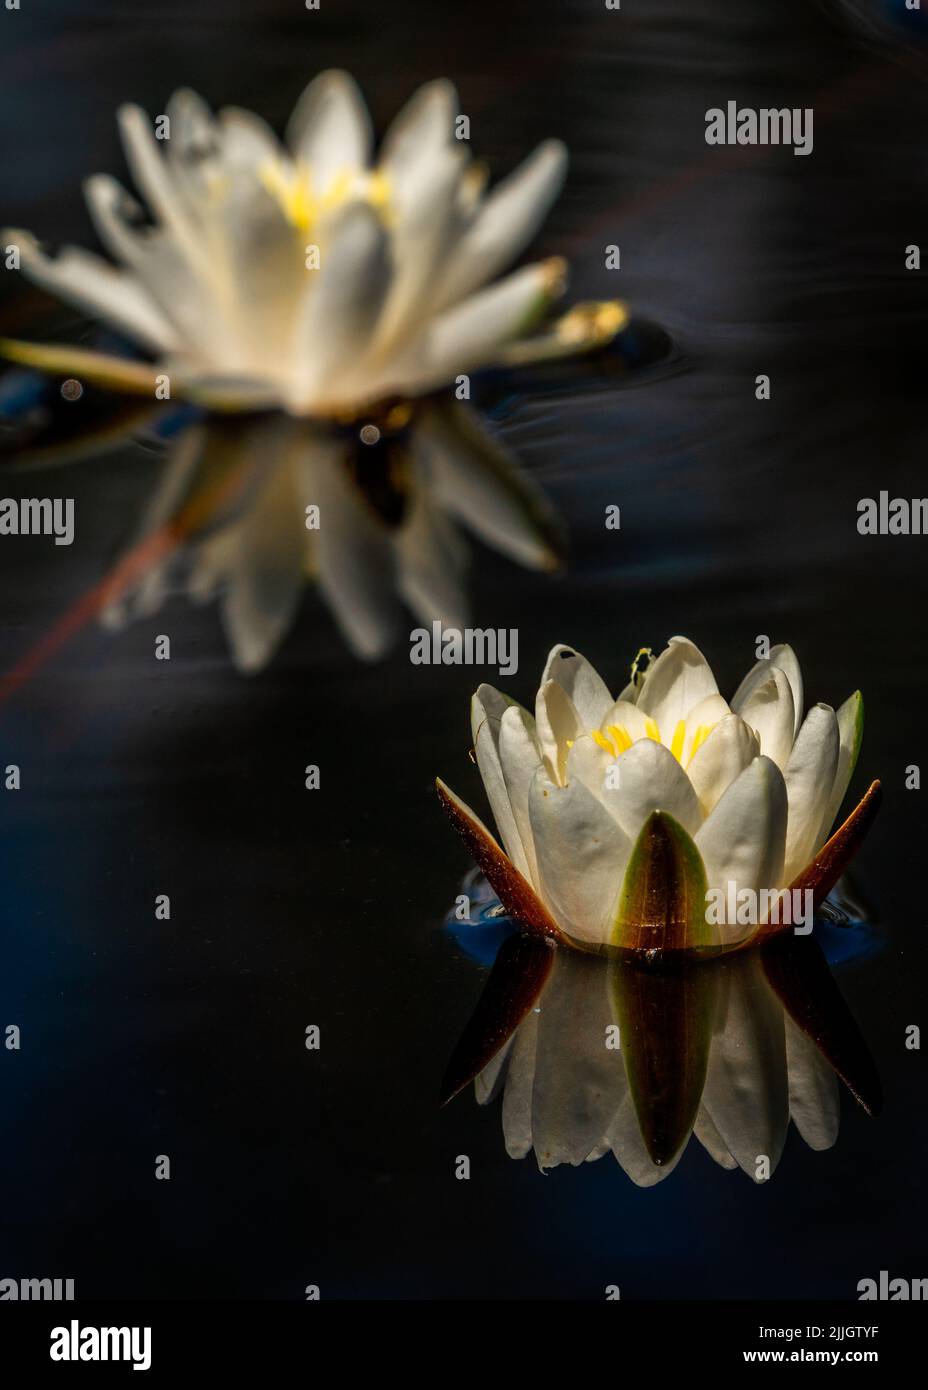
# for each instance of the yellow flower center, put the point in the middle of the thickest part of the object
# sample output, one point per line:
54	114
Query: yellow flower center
291	183
616	738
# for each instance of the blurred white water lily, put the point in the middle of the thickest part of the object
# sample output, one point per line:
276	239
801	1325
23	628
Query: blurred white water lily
619	815
305	274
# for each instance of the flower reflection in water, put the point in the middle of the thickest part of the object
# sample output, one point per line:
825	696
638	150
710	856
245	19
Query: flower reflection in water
591	1056
388	496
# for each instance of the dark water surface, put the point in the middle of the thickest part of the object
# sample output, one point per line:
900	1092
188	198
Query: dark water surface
292	908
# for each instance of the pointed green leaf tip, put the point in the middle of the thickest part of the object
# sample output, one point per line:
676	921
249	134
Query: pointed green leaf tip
662	902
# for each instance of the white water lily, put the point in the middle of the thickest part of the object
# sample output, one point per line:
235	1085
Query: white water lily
306	274
750	787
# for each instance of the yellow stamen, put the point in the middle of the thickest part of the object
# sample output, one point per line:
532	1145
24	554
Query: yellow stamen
699	738
378	190
603	742
676	745
292	185
619	736
652	731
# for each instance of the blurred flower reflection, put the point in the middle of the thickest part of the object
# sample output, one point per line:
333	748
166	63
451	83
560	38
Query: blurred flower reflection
235	496
591	1057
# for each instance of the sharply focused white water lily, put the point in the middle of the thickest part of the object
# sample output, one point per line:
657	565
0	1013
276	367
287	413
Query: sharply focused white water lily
622	812
309	274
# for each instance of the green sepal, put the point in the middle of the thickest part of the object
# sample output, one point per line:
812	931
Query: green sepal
662	901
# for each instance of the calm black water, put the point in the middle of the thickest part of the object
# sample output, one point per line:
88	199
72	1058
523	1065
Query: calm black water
292	908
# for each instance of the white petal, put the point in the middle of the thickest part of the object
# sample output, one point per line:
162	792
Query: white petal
850	732
784	659
469	335
810	776
557	724
727	751
506	223
624	715
677	681
267	578
330	129
153	177
430	570
590	763
186	298
705	715
769	710
422	232
581	854
355	562
473	477
742	841
486	714
194	136
341	305
517	1097
111	207
261	266
520	758
584	685
422	130
211	564
814	1096
646	778
96	288
204	151
711	1140
247	142
177	479
579	1082
489	1082
746	1094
